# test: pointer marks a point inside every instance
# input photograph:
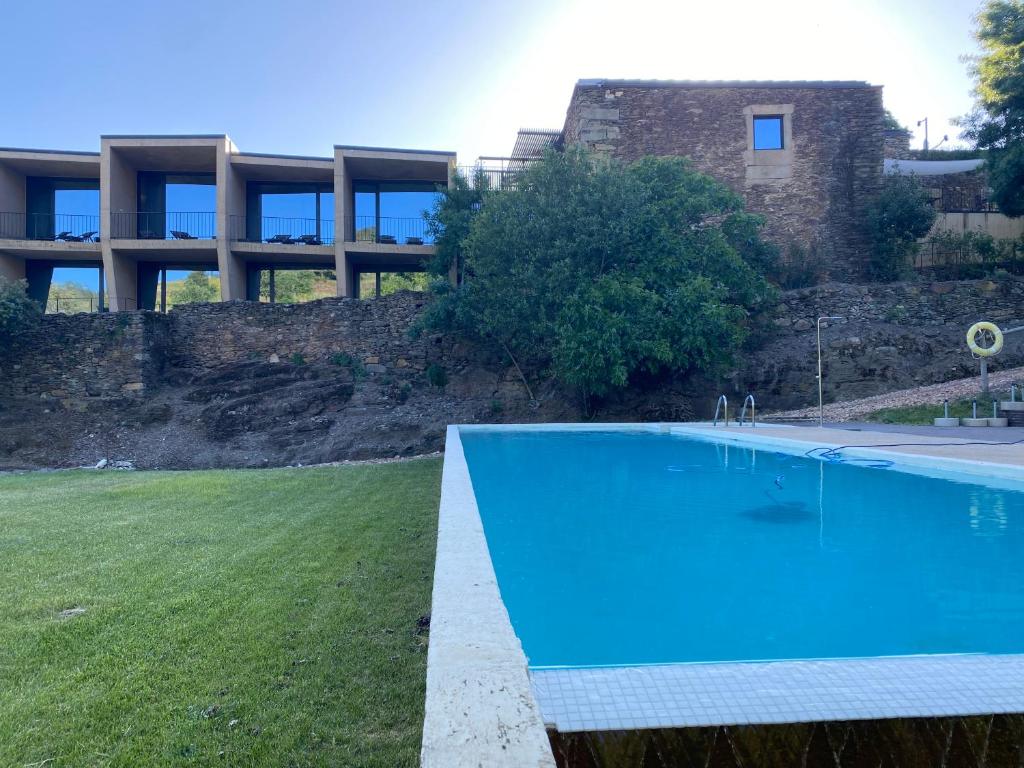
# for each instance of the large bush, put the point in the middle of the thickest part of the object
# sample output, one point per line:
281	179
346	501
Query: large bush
597	272
18	312
900	215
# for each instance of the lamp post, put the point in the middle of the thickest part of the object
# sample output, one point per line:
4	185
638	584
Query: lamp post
821	400
925	121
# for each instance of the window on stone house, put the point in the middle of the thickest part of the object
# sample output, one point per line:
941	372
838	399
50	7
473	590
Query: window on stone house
768	132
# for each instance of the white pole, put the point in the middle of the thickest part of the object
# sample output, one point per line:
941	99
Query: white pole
821	398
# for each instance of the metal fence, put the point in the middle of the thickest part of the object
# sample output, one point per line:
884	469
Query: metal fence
389	230
495	178
167	225
66	227
967	260
282	230
962	201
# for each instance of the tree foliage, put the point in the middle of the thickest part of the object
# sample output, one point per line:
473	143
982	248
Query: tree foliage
600	272
71	297
997	122
18	312
196	288
900	215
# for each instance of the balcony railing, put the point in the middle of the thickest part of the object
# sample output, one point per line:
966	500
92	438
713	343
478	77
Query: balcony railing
64	227
146	225
961	201
496	176
389	230
282	231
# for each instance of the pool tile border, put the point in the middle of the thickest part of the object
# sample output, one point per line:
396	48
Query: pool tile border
695	695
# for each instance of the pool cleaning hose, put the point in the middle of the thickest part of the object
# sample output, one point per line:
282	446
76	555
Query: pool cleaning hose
834	455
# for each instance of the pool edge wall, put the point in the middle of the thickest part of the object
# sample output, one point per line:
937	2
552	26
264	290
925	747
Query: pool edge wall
480	708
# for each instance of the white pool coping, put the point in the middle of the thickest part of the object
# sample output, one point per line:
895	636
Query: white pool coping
485	708
480	709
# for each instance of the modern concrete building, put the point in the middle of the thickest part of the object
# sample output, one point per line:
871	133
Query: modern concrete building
357	211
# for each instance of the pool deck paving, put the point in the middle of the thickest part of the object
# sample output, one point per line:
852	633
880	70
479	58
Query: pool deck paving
966	444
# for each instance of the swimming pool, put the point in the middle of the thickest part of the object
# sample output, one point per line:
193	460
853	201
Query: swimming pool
617	577
632	548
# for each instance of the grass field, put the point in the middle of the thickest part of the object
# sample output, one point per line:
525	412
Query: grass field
237	618
924	414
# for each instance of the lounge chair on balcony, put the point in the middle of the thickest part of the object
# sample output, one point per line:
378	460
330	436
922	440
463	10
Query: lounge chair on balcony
85	237
310	240
387	239
282	240
414	241
177	234
62	236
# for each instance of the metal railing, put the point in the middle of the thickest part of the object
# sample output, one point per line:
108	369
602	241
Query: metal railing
388	230
68	305
281	230
164	225
965	260
962	201
496	178
723	403
743	411
65	227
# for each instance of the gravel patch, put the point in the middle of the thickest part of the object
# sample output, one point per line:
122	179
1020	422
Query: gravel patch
852	410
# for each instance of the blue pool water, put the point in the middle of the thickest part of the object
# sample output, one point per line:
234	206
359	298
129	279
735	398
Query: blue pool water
622	548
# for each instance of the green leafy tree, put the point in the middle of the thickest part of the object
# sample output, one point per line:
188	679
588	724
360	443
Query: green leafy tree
997	123
890	123
196	288
900	215
71	297
290	285
599	272
18	313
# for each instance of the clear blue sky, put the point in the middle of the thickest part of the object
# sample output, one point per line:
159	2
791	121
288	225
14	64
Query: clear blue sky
299	77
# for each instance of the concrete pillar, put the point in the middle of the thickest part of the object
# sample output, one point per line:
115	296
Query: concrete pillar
12	203
346	275
252	283
11	267
118	201
39	275
148	277
230	203
342	214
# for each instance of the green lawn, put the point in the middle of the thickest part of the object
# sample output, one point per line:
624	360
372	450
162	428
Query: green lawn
237	618
924	414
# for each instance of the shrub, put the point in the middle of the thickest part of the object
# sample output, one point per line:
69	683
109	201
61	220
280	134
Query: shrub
602	273
802	267
345	360
18	312
298	359
900	215
437	376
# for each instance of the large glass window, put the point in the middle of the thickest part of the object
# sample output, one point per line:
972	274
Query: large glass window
768	132
290	213
177	206
392	211
62	209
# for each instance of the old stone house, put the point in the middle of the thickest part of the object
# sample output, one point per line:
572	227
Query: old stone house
808	155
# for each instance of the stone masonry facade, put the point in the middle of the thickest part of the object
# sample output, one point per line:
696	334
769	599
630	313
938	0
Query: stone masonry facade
812	193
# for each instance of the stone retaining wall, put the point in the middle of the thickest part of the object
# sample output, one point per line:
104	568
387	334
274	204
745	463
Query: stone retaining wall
70	358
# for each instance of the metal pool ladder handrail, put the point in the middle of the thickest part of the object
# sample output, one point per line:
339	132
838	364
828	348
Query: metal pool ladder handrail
743	411
722	399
